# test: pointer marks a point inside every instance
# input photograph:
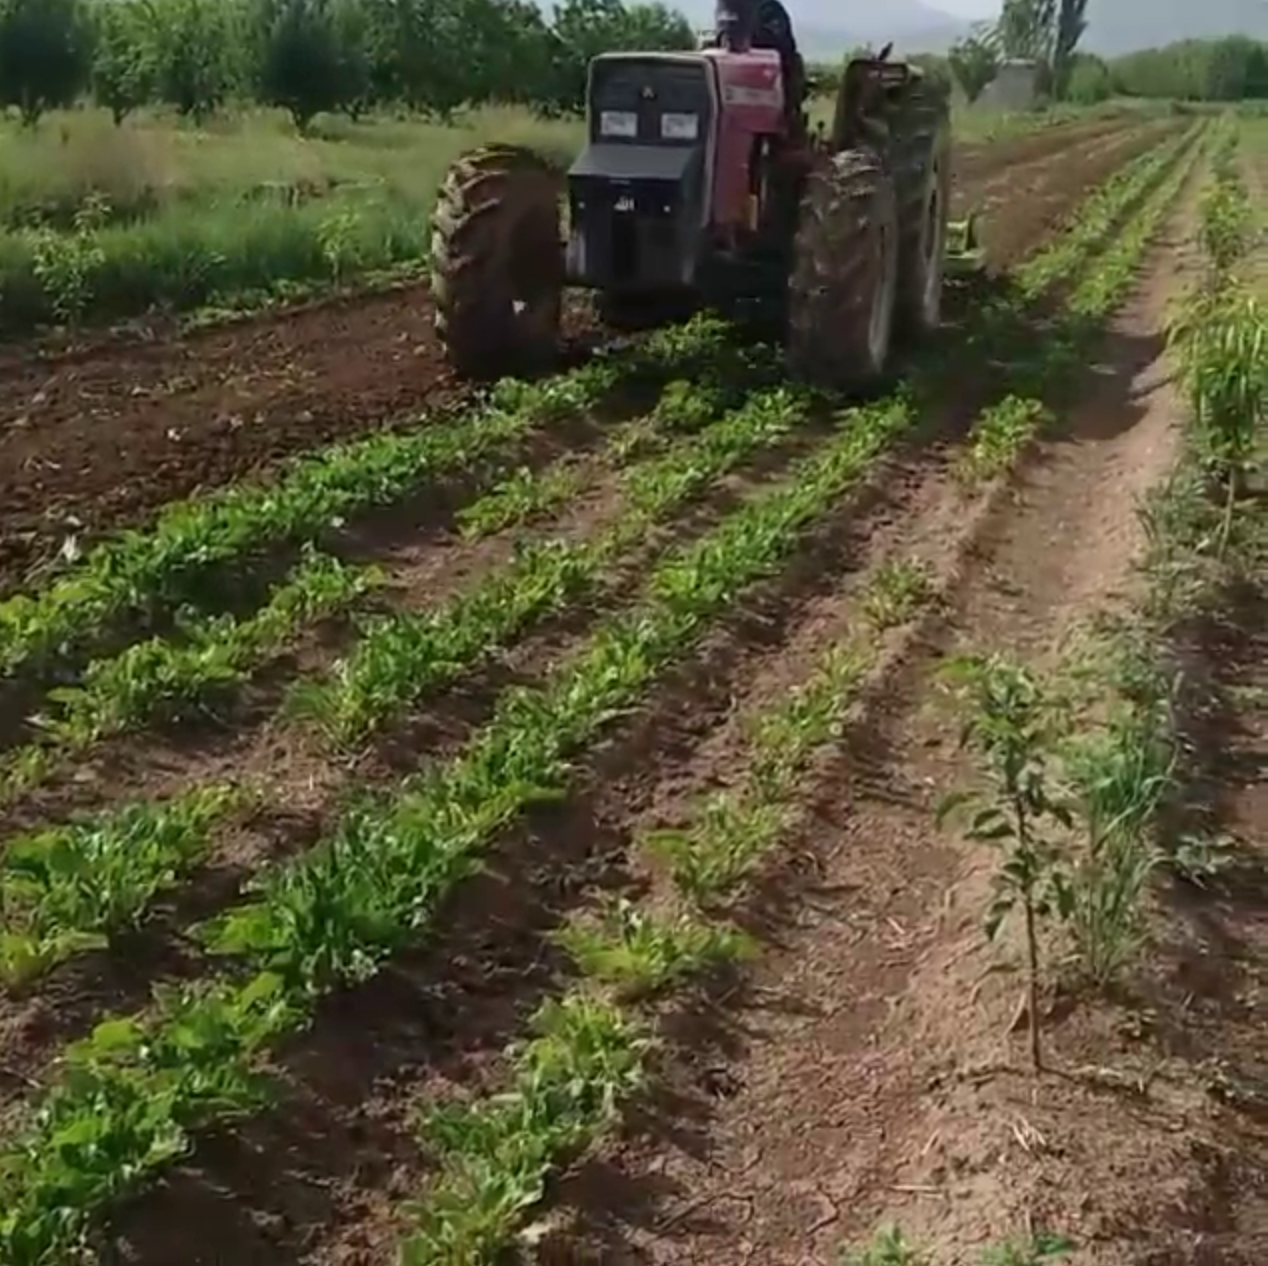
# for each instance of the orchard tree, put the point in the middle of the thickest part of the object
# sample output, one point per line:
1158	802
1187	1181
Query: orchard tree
123	58
1090	81
195	43
974	63
352	32
1025	29
45	54
300	63
1071	23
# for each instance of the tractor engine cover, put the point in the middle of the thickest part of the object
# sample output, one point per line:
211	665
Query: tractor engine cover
637	193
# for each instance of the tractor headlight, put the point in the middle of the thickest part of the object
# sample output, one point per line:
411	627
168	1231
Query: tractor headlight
679	127
623	123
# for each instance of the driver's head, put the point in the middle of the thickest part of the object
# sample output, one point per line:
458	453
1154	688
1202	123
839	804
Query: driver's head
736	20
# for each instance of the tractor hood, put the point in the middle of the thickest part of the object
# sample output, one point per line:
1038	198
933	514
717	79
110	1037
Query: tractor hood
616	161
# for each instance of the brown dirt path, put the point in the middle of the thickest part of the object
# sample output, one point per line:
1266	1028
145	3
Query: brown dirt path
103	436
841	1092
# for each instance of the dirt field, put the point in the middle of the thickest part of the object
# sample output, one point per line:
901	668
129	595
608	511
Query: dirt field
703	607
105	436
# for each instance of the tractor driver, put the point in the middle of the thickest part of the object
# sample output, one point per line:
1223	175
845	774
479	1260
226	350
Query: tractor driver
765	24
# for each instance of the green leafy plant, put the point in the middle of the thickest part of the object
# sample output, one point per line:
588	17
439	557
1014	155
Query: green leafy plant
640	952
1012	723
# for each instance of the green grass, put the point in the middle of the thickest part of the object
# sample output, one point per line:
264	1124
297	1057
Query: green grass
108	223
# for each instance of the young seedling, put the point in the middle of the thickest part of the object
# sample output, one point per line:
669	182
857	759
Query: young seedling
1119	774
1039	1250
1011	723
889	1247
640	952
898	589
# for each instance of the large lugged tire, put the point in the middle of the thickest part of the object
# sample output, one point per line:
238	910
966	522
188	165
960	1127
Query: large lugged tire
843	287
923	239
497	268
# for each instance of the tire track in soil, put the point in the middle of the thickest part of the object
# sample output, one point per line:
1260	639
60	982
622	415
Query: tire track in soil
833	1098
102	438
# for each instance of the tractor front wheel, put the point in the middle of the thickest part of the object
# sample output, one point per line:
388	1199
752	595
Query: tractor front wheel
843	288
497	269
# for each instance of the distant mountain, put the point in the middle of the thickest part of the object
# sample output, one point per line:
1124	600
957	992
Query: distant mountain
827	28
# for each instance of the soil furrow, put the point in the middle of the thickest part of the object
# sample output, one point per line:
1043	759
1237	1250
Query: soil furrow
839	1093
444	1016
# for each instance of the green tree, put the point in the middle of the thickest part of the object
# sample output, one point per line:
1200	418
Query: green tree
123	77
300	62
194	50
1090	80
1071	23
974	63
1025	29
45	54
351	20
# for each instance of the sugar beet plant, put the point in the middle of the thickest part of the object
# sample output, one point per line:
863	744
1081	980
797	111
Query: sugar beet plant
147	570
64	890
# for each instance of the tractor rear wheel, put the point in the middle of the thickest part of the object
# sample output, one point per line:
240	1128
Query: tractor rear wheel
497	269
923	247
844	282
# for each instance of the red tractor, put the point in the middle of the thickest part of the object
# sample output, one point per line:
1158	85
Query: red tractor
702	182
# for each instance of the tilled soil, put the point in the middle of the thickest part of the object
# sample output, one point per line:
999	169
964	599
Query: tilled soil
871	1071
322	1178
103	436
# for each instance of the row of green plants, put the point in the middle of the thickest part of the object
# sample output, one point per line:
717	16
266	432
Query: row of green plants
137	1087
1097	215
177	677
1005	430
1080	765
684	407
590	1053
142	572
400	657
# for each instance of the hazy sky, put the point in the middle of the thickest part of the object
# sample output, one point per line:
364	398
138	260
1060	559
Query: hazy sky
968	8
